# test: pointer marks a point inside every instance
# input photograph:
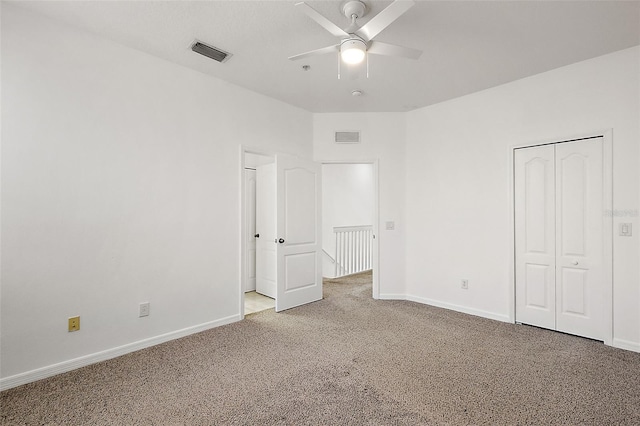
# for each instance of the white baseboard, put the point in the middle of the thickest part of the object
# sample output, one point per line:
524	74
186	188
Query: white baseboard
72	364
626	344
616	343
459	308
390	296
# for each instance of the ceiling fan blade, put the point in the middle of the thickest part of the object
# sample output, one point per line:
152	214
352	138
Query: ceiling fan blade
323	51
384	18
324	22
379	48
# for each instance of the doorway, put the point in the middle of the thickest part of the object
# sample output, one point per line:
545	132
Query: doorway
350	220
562	239
286	240
256	299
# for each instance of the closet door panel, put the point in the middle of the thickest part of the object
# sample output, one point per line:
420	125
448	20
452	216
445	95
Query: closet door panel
535	236
579	241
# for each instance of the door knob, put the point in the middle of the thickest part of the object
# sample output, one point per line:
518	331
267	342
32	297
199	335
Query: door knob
281	240
575	262
257	235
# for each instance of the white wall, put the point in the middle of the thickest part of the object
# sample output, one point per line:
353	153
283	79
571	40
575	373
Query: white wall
347	200
458	181
383	138
120	185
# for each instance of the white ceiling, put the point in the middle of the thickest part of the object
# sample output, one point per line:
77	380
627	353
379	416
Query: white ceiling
468	45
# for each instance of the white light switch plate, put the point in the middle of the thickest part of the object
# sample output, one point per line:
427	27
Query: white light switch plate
390	226
625	230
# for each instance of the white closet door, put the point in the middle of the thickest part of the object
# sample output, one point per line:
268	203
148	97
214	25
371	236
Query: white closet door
535	236
266	262
579	238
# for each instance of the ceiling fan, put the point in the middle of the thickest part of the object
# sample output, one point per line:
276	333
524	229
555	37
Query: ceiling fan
355	41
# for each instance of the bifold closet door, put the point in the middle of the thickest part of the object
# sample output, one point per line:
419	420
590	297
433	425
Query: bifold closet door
535	236
559	237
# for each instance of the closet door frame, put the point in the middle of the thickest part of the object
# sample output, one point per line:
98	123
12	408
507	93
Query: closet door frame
607	179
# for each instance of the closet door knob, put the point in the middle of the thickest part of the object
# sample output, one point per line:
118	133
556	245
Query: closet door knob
575	262
257	235
281	240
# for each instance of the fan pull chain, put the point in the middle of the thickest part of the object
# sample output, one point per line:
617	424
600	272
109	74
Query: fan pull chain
339	60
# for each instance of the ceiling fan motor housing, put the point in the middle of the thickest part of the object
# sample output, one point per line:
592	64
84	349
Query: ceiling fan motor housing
355	7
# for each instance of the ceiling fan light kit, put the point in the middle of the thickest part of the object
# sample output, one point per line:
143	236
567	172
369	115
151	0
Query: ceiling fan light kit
353	50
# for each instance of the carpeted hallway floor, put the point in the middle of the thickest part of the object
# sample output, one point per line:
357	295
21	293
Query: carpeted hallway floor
347	359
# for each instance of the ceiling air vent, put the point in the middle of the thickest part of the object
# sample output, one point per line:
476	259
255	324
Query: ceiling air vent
210	51
347	137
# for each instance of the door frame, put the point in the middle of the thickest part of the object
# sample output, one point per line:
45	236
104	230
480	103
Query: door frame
607	181
243	244
376	218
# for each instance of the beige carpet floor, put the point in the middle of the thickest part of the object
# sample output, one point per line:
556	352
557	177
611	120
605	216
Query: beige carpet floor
347	359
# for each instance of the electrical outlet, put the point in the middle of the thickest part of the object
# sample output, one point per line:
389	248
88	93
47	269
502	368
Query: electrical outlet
144	309
74	323
464	284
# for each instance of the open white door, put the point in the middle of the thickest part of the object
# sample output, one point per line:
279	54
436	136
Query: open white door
299	230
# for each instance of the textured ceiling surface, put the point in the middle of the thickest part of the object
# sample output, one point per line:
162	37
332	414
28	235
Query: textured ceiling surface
467	45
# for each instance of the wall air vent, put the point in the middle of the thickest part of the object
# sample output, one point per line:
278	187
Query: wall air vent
210	51
347	137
